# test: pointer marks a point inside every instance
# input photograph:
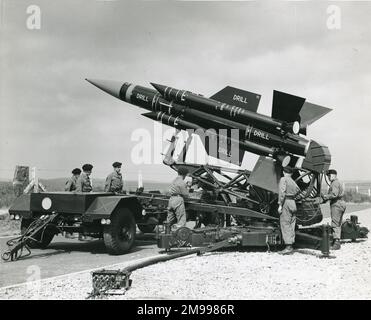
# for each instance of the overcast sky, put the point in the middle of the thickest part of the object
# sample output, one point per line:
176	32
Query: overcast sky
52	119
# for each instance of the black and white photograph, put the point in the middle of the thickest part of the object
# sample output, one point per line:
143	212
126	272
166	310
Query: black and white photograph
203	152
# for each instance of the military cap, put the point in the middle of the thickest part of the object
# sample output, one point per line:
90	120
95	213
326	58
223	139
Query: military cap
182	171
117	164
288	169
331	171
87	167
76	171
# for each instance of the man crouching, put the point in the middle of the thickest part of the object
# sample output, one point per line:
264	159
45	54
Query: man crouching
178	192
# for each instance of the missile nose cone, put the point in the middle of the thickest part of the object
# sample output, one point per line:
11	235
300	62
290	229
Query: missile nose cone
109	86
150	115
159	87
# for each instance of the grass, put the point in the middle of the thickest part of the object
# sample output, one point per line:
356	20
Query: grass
8	227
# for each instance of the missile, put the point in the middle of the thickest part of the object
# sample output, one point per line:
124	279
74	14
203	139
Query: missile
258	133
238	114
152	100
245	145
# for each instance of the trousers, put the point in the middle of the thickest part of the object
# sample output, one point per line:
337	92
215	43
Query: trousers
337	212
176	211
288	221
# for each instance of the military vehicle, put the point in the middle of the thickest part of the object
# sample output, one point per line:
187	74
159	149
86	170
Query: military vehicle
235	207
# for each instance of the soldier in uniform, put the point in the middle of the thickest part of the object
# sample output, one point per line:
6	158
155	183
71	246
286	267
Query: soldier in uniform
71	183
288	189
337	205
178	192
83	183
114	179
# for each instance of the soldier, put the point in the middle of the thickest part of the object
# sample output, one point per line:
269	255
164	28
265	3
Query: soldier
178	192
337	205
114	179
83	183
71	183
288	189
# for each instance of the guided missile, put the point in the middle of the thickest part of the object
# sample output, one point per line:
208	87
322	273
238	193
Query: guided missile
258	133
239	114
246	145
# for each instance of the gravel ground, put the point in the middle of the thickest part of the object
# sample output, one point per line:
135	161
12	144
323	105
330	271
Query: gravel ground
231	275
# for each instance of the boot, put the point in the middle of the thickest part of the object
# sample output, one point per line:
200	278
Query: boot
336	245
288	250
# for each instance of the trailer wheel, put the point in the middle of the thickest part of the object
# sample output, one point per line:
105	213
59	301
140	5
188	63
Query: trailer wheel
43	238
147	228
119	236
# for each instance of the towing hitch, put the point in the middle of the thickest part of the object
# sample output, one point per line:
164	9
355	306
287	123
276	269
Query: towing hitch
16	246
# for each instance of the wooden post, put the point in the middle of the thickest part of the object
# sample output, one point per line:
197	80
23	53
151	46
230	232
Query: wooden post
35	179
35	184
140	179
21	179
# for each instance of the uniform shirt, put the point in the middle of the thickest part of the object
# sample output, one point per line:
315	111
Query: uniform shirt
71	183
287	187
83	183
113	182
178	187
335	192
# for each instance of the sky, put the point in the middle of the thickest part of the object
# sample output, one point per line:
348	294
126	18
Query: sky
52	119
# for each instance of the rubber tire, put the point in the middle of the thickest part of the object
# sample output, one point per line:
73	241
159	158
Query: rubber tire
147	228
47	236
114	241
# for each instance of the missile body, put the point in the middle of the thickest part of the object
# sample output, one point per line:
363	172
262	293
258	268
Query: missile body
222	109
196	112
179	123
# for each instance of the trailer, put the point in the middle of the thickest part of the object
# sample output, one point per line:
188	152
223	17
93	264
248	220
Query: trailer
235	212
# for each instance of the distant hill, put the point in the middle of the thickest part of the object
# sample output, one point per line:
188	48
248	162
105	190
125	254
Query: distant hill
356	191
57	184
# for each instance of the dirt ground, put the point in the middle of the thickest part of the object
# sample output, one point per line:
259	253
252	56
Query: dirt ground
231	275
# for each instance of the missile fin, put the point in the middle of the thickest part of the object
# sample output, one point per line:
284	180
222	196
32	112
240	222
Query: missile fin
311	112
219	146
239	98
286	107
266	174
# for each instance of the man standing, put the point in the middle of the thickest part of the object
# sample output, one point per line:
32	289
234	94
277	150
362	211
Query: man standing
83	183
288	189
178	192
337	205
114	179
71	183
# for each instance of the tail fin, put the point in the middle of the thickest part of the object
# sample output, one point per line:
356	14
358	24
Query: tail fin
266	174
286	107
311	112
220	146
239	98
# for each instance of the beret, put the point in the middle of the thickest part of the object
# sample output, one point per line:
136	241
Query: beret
76	171
87	167
117	164
331	171
182	171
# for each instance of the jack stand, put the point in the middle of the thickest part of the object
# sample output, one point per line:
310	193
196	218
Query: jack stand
325	243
